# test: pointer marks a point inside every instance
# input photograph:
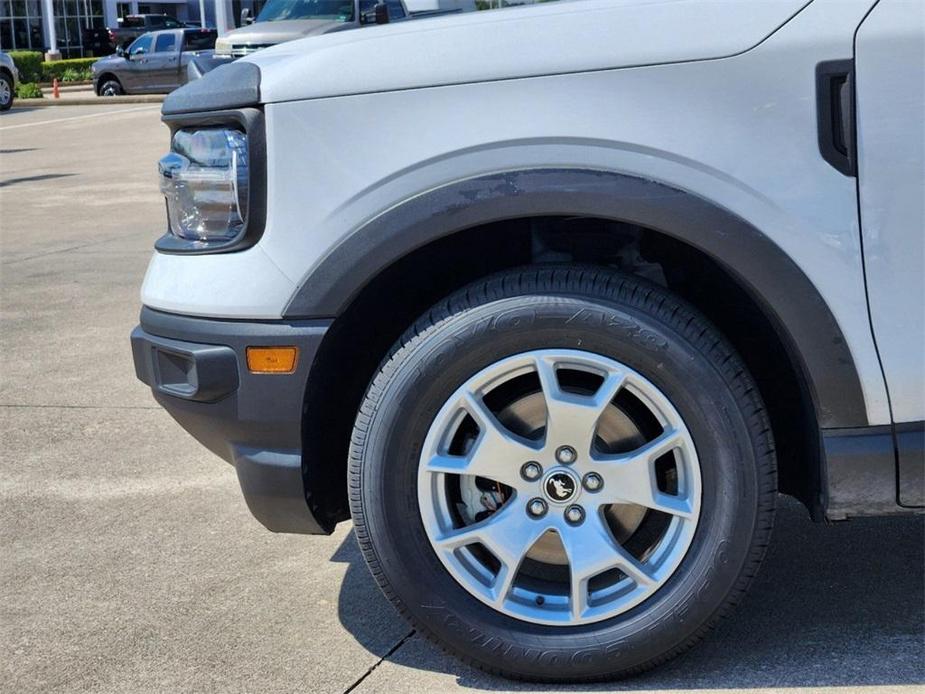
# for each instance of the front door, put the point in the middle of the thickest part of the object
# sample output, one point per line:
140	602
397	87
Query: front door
162	67
890	92
136	59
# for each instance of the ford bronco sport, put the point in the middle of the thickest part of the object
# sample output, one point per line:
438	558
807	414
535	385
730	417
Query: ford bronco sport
553	301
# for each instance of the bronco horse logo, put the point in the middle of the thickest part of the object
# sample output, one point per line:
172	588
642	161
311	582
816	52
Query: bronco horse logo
560	487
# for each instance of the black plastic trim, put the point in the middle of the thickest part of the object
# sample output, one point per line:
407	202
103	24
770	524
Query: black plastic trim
910	463
861	469
251	122
231	86
787	296
860	472
253	421
273	489
202	373
835	113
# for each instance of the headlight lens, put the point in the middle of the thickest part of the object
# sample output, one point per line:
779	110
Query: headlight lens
205	180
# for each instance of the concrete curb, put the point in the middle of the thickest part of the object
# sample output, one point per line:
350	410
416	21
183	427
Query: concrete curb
89	101
68	86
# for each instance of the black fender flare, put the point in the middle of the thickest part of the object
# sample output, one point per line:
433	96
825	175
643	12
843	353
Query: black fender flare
779	286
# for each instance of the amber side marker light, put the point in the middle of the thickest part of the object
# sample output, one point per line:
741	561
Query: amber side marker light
272	360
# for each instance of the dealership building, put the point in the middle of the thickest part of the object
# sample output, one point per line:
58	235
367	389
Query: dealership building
29	24
61	25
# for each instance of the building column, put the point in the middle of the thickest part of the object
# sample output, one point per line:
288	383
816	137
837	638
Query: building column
223	19
111	13
51	36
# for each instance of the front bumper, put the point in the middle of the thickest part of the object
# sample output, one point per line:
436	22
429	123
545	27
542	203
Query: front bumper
196	368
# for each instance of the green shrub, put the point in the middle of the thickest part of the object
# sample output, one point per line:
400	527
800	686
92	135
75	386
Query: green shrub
58	68
29	64
73	74
28	90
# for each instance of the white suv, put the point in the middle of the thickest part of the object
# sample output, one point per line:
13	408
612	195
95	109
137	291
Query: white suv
553	302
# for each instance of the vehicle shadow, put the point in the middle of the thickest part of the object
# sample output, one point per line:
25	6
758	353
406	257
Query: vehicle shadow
833	605
31	179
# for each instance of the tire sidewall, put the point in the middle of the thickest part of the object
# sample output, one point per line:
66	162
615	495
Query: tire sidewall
430	369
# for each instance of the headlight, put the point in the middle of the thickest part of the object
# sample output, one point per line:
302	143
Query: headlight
205	180
222	47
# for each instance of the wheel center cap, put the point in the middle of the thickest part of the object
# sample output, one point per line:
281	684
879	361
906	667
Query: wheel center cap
560	487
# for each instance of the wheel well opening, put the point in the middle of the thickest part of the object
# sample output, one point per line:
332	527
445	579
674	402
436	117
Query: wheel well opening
361	337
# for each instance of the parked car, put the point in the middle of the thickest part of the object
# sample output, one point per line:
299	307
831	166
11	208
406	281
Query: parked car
155	63
9	79
286	20
555	327
132	26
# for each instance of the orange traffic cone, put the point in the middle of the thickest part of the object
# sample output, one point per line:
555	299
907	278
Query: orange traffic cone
55	90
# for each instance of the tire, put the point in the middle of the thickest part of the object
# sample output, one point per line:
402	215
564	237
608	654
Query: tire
7	93
111	88
723	469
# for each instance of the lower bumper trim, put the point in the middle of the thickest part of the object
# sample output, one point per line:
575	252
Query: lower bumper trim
197	370
272	485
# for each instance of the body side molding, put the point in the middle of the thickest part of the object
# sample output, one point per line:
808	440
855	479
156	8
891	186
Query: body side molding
788	297
878	470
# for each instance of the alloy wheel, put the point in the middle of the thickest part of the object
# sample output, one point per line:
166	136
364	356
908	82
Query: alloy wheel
559	487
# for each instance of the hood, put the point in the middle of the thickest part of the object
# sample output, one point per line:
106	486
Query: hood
280	31
108	62
528	41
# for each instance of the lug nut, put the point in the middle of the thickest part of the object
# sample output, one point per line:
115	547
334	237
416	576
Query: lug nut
531	471
575	514
566	455
537	508
593	482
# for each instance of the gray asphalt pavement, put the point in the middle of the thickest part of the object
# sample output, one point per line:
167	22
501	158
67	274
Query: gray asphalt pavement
129	562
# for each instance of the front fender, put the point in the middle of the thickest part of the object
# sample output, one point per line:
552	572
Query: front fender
788	297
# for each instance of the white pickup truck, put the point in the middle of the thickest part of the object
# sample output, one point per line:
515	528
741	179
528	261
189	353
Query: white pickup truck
287	20
553	302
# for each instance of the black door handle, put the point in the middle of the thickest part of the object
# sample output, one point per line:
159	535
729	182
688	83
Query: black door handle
835	105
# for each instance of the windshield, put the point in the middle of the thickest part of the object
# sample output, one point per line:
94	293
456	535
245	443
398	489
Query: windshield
278	10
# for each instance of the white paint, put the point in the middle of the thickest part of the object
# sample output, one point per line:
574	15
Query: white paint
106	113
727	114
891	143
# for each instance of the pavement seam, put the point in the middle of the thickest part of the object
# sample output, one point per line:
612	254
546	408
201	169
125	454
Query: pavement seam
379	662
13	261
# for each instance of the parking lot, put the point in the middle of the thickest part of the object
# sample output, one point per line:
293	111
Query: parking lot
129	562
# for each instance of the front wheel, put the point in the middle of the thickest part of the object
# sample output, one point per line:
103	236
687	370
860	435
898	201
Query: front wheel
563	474
6	93
111	88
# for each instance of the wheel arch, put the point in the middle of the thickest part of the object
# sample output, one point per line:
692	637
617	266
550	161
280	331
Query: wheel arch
349	282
